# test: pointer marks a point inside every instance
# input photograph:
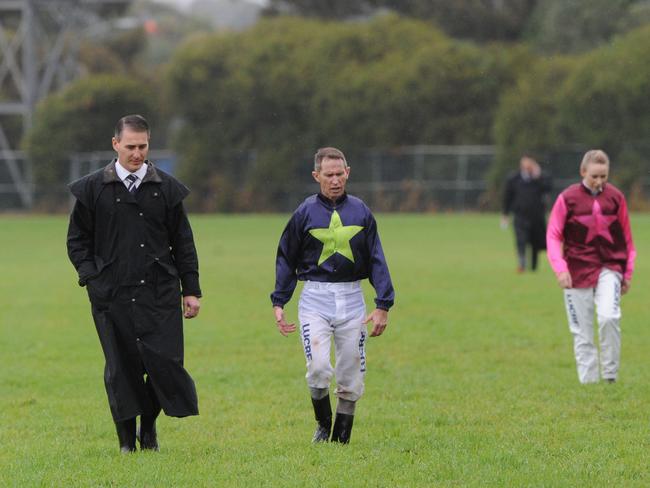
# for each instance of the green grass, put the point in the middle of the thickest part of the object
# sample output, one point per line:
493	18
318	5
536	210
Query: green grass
473	384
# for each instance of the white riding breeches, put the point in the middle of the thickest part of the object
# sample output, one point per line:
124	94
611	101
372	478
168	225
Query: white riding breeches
334	310
580	302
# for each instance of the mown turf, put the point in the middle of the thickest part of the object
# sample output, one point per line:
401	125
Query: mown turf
473	384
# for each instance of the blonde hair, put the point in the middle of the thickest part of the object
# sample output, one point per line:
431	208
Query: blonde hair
596	156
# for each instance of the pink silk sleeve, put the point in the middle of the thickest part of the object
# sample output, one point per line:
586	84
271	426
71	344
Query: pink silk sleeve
624	220
555	236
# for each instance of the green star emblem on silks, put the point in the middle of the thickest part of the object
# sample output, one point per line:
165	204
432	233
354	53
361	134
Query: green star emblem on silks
336	238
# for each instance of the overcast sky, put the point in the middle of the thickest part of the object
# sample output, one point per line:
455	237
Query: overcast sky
186	3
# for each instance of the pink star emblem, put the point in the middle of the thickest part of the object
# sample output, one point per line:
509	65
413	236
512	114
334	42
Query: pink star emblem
597	223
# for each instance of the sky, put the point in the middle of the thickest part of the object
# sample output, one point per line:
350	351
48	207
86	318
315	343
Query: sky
186	3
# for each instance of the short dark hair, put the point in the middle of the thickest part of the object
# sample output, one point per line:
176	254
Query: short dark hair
136	123
328	153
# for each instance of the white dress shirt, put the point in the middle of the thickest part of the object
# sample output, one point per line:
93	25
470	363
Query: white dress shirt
123	173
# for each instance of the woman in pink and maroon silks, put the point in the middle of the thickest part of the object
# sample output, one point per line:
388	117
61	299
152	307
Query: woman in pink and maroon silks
590	248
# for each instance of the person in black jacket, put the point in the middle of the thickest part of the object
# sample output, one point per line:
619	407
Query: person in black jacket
524	196
132	245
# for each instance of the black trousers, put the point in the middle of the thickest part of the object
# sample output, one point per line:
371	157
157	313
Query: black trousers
529	232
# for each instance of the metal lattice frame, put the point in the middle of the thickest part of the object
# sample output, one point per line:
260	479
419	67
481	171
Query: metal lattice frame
39	41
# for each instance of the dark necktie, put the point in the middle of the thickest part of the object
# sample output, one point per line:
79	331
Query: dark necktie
131	179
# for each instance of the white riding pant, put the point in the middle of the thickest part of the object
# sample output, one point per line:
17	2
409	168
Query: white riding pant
335	310
579	302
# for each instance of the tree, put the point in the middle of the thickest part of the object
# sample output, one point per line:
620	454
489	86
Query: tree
574	26
527	117
81	118
311	83
598	99
466	19
479	20
605	103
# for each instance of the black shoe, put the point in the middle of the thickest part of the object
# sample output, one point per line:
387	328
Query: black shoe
148	437
323	414
610	380
342	428
126	435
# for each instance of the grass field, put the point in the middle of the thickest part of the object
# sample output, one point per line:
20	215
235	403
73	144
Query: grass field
473	384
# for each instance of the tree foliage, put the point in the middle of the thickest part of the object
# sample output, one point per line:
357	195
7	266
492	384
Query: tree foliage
466	19
556	26
599	99
81	118
383	83
605	100
527	118
470	19
251	107
573	26
605	103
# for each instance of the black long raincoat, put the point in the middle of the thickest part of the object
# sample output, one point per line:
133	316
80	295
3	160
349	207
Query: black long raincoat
133	252
525	199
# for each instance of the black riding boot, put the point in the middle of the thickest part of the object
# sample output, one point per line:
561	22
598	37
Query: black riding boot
126	434
147	432
323	414
342	428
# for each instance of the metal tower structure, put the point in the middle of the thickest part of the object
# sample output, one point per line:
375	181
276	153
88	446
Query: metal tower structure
39	41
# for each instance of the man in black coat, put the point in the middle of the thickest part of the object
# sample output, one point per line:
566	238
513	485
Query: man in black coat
132	245
524	197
